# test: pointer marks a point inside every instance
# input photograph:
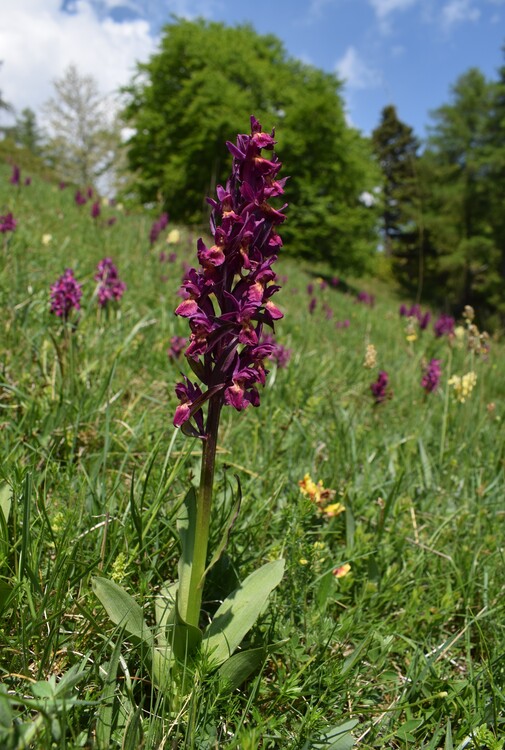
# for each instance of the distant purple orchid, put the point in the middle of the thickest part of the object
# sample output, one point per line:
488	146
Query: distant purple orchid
343	323
65	295
379	389
7	223
157	227
95	210
444	325
312	305
79	198
366	298
28	181
431	377
177	346
16	175
415	312
110	286
279	354
328	312
228	300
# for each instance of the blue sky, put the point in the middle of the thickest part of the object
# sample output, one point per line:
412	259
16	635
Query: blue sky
405	52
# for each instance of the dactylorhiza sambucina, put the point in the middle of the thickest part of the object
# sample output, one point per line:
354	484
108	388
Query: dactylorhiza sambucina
66	293
110	287
431	376
7	223
228	300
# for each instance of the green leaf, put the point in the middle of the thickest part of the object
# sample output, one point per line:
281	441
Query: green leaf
162	663
336	738
5	593
164	608
5	501
239	611
6	713
425	465
239	667
448	737
122	608
404	732
176	638
184	638
105	719
186	523
229	526
133	733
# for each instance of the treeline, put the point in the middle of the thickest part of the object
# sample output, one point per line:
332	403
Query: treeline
434	210
443	210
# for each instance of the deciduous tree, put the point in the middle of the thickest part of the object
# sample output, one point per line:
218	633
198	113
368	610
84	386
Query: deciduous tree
82	135
200	89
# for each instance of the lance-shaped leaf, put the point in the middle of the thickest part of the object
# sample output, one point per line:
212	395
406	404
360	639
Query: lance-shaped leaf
239	667
239	611
186	523
122	609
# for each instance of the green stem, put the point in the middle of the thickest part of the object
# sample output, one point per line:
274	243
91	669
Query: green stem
203	510
446	408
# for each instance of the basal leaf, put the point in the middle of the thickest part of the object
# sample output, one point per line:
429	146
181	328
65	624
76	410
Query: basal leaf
239	611
186	528
106	715
122	608
239	667
5	501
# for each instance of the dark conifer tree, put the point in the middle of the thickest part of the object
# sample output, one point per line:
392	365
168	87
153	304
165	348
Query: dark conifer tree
495	157
458	164
396	149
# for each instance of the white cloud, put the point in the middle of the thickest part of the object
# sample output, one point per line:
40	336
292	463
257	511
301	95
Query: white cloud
38	43
355	71
316	7
459	10
385	8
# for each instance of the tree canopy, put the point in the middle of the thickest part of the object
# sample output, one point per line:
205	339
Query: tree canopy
443	209
199	90
82	135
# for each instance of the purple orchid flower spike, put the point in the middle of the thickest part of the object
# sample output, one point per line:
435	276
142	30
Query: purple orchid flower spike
110	287
66	293
431	376
228	300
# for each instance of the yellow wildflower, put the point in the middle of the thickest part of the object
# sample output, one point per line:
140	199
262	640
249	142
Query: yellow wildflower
411	330
341	571
316	492
463	385
173	237
459	336
334	509
46	239
370	357
303	561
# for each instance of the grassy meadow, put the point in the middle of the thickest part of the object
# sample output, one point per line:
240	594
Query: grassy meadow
388	628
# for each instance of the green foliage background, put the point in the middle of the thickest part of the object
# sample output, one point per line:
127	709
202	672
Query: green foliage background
447	242
197	92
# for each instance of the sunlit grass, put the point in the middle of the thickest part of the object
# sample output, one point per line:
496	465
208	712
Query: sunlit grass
407	646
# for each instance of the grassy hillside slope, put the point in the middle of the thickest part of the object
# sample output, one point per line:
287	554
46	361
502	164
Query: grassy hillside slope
403	649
